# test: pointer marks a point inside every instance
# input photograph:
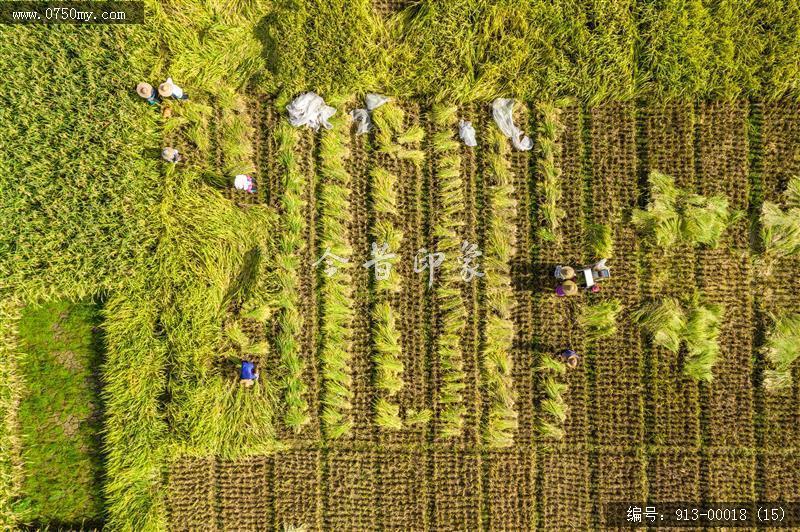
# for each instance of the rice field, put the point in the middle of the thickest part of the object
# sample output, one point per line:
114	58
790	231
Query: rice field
396	288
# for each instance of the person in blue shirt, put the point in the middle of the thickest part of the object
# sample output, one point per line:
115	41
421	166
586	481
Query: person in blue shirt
249	373
570	358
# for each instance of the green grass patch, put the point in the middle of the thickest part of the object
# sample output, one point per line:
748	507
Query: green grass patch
782	350
60	413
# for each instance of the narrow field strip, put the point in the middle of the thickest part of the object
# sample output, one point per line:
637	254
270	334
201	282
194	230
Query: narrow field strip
669	132
298	491
11	388
449	233
511	504
404	495
351	499
243	501
291	318
336	291
725	277
618	362
457	488
497	357
191	494
775	295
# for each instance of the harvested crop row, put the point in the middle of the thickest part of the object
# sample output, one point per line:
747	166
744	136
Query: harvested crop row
519	222
730	474
501	423
564	489
292	320
191	491
618	359
351	494
447	217
674	410
622	478
472	292
783	473
235	143
511	489
267	164
336	291
777	293
359	166
399	353
724	274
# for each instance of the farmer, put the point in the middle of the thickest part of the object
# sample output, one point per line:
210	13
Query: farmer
244	182
564	273
249	373
170	155
570	358
146	91
169	89
567	288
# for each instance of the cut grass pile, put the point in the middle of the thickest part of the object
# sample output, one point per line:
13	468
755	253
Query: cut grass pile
782	349
553	408
600	319
60	414
781	227
10	391
549	187
694	322
674	215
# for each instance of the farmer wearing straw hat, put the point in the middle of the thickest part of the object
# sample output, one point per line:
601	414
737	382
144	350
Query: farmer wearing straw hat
567	288
146	91
244	182
169	89
564	273
570	358
170	155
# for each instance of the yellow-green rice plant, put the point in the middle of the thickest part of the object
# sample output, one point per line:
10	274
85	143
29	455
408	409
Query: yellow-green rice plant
290	247
447	230
500	242
336	289
235	134
600	240
780	228
664	320
599	320
10	391
702	338
674	215
782	350
387	415
549	186
553	408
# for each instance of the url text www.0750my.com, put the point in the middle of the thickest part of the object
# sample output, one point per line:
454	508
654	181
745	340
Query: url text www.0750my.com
35	12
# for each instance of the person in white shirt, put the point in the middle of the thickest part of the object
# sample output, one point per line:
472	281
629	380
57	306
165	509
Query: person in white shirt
169	89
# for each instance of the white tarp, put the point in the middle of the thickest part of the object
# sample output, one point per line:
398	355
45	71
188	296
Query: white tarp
503	113
310	110
362	117
467	133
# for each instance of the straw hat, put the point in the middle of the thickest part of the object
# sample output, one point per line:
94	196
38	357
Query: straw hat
165	89
570	288
567	272
572	360
168	154
145	90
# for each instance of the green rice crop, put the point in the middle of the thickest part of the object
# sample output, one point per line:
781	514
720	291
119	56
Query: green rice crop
664	320
336	290
781	227
447	230
600	240
675	215
600	319
497	360
782	349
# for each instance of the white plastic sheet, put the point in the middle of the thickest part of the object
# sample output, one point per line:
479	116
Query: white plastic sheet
309	109
374	101
362	120
467	133
503	113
